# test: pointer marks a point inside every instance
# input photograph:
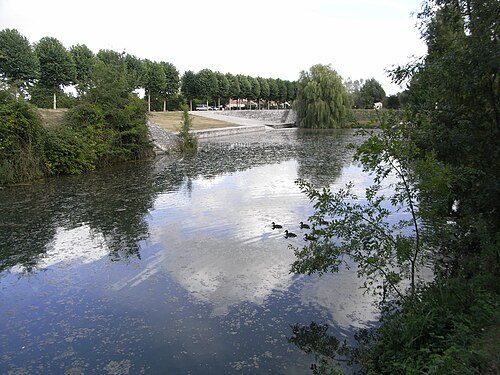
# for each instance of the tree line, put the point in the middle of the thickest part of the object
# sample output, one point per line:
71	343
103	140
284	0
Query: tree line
42	70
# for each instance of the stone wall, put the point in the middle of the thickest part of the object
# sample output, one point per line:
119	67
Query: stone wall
268	117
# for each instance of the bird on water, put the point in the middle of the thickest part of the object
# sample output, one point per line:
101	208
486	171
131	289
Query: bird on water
304	226
276	226
289	234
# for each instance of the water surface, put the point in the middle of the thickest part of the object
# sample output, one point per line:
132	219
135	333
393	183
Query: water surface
171	266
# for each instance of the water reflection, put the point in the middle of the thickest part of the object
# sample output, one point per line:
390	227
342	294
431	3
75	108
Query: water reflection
170	265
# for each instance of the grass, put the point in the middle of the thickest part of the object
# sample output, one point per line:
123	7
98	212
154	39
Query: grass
52	118
171	121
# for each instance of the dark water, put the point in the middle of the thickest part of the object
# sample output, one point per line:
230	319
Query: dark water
171	266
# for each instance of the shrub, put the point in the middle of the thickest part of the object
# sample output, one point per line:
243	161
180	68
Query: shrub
21	141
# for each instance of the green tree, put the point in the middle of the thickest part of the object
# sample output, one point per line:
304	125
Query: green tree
393	102
453	98
18	63
291	91
350	227
245	87
207	85
234	87
188	86
322	100
171	86
155	80
188	143
57	67
264	89
83	58
254	82
223	88
136	70
369	93
282	90
273	90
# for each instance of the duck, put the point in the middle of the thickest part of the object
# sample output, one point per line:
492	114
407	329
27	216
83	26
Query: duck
276	226
309	237
289	234
304	226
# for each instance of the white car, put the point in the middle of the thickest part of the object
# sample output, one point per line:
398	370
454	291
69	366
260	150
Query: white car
201	107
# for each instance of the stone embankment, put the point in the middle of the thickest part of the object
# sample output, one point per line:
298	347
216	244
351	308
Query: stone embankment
247	121
164	141
274	117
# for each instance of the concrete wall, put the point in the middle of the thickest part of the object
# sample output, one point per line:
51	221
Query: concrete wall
269	117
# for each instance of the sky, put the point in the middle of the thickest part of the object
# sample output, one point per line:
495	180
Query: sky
271	39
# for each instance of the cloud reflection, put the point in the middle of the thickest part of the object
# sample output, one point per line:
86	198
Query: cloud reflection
69	246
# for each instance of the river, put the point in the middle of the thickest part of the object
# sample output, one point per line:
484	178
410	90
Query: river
171	266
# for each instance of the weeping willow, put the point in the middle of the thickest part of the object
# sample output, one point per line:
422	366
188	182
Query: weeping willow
322	100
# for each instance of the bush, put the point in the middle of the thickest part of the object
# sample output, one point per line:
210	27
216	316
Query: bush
438	335
188	143
21	141
67	152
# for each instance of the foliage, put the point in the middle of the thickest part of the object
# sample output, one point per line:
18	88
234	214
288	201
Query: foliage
57	67
370	92
188	143
188	85
322	101
18	63
66	152
245	87
386	252
234	86
83	58
155	80
442	334
21	141
206	84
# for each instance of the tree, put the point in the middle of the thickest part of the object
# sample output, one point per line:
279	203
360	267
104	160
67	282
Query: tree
264	89
347	226
207	85
245	87
83	58
393	102
254	82
290	91
273	90
155	80
171	82
234	87
369	93
188	86
282	90
136	69
453	97
18	63
57	67
322	101
223	87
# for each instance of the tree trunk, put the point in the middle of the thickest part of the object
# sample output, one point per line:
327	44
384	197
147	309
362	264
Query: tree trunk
149	102
165	105
191	104
55	101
